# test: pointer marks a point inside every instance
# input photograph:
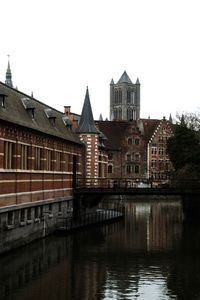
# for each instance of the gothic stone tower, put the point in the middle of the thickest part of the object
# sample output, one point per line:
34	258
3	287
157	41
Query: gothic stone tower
124	99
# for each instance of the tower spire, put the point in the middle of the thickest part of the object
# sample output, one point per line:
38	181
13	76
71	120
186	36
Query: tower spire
86	123
8	80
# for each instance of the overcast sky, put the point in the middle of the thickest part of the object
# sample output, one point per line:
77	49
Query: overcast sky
58	47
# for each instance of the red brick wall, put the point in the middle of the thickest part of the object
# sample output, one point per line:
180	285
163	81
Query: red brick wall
20	186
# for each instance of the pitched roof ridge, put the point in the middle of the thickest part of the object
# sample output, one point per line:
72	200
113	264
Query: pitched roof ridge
28	96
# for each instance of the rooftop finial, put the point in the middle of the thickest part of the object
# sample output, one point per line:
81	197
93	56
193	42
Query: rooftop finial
8	80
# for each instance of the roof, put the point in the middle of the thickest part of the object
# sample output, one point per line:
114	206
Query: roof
16	112
149	126
114	132
124	78
86	124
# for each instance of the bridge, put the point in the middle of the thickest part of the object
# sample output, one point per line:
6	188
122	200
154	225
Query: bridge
119	186
88	192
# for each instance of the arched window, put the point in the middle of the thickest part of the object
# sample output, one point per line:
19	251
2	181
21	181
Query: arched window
130	141
128	169
119	113
137	169
134	115
137	157
128	97
129	114
120	96
115	114
128	157
116	97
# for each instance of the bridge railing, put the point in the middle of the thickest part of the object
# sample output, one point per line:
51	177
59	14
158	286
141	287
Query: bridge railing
135	183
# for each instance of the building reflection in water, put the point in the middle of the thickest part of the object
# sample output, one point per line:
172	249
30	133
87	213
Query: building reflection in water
145	254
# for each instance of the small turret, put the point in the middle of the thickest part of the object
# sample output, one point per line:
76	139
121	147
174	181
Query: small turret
86	124
137	81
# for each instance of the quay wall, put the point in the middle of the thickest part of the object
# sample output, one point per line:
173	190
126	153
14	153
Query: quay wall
22	223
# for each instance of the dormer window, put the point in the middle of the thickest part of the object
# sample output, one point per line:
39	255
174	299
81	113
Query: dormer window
29	106
50	115
67	122
2	99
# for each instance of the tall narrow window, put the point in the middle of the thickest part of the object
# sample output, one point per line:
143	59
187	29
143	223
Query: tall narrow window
132	98
128	157
49	158
110	169
128	169
137	141
115	114
38	158
128	97
120	96
129	114
137	169
119	113
8	155
24	157
153	150
58	161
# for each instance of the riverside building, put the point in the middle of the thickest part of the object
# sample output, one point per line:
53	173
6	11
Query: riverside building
39	152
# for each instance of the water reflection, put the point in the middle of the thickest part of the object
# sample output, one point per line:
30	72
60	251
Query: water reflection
152	254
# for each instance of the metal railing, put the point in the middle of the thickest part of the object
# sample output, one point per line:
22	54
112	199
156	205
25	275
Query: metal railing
98	216
135	183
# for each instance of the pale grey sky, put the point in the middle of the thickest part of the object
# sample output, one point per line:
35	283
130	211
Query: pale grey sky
58	47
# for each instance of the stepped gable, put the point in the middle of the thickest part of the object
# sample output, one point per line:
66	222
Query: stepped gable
114	131
149	126
44	118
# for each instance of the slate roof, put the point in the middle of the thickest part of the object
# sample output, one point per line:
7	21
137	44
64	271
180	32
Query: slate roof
16	112
86	124
114	132
124	78
149	126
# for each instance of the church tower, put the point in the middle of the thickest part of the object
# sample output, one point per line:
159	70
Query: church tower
8	80
124	99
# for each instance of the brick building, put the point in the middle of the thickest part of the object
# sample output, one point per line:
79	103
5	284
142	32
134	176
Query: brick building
137	150
38	154
159	165
126	149
96	158
136	147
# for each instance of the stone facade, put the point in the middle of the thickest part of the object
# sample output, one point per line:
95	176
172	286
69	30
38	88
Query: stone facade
124	99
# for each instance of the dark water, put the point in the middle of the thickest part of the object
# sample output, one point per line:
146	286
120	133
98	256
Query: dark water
152	254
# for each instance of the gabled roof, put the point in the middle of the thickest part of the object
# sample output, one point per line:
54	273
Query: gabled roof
149	126
15	112
124	78
114	131
86	124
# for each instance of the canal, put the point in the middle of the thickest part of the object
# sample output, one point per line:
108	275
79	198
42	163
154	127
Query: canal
151	254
